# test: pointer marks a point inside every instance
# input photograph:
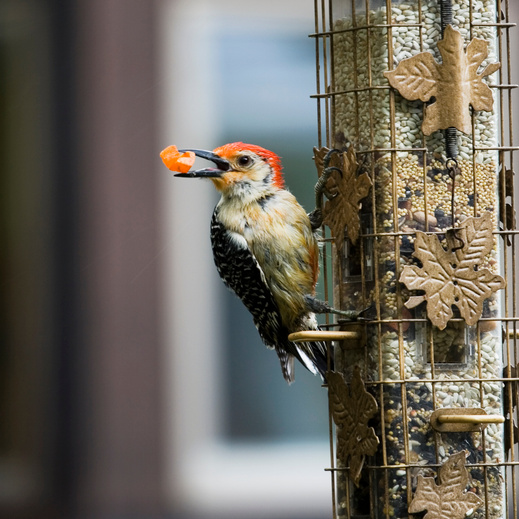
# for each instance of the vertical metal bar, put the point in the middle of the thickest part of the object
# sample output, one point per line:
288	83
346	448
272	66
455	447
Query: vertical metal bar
371	162
515	357
325	73
332	68
390	52
430	342
318	72
355	35
331	90
319	42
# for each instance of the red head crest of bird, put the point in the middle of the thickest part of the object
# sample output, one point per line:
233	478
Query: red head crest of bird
239	167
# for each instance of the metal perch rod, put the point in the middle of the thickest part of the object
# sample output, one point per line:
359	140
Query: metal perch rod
323	336
471	418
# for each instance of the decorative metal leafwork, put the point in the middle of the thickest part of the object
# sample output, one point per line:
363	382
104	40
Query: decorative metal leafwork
345	189
448	499
454	83
453	276
351	409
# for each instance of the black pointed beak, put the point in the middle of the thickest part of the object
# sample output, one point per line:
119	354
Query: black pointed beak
222	165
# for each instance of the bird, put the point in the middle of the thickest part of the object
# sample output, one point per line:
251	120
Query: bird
266	250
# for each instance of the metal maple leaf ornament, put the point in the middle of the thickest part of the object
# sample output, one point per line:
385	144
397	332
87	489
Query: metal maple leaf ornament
352	407
453	276
448	499
344	188
455	83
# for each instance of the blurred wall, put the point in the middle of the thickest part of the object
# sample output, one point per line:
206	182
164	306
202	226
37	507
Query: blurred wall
118	261
80	354
82	425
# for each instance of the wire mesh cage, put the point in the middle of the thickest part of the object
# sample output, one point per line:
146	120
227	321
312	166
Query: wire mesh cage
416	160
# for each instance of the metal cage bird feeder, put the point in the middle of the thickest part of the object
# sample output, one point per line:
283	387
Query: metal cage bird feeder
416	165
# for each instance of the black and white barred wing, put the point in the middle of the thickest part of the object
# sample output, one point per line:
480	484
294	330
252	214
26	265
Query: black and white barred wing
241	272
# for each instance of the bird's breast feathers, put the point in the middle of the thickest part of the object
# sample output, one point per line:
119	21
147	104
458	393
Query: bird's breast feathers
278	233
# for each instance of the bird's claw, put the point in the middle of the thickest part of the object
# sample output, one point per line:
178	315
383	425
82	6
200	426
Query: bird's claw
320	307
359	316
316	218
356	316
320	186
329	194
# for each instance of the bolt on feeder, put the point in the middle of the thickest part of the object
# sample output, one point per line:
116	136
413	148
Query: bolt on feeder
415	161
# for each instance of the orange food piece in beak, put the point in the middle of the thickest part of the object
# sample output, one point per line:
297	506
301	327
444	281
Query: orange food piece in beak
176	161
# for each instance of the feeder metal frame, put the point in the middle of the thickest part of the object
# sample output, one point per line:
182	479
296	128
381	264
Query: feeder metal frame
329	94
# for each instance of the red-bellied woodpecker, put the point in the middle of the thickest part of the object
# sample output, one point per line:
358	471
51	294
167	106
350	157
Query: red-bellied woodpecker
265	250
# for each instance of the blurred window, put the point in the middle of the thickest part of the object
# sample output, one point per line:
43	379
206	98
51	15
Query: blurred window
27	341
255	445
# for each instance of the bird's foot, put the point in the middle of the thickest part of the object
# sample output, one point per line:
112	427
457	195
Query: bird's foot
316	218
358	316
320	307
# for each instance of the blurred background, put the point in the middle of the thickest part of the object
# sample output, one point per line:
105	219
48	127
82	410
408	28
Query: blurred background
132	384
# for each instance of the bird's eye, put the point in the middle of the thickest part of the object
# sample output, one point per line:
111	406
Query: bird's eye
245	160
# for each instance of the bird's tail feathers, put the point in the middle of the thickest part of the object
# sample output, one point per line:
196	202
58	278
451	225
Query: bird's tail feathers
287	365
314	356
